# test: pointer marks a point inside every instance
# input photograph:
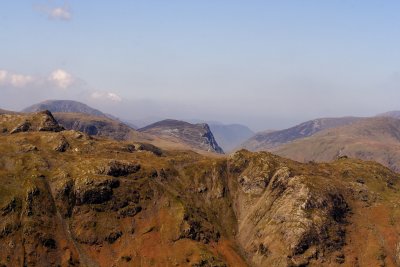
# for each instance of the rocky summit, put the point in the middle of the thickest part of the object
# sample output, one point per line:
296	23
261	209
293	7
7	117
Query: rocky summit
69	199
197	136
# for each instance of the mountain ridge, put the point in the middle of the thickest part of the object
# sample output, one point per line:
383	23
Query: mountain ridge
80	200
268	140
185	131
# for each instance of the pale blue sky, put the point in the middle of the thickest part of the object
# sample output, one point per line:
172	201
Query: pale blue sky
267	64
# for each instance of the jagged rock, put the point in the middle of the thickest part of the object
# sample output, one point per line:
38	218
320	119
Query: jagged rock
41	121
65	196
130	211
31	194
62	145
95	193
48	123
112	237
119	168
23	127
48	242
148	147
25	148
209	262
196	231
12	206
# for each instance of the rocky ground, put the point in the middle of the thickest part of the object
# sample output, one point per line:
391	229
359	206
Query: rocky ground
69	199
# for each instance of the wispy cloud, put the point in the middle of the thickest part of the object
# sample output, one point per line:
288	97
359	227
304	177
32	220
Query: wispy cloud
59	79
17	80
63	13
56	84
106	96
56	12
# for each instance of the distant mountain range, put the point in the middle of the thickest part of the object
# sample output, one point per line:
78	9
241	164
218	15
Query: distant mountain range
322	139
376	139
268	140
74	115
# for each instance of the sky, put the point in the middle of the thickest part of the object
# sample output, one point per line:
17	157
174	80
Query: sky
265	64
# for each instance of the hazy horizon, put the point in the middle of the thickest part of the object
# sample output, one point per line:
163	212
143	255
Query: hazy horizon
268	65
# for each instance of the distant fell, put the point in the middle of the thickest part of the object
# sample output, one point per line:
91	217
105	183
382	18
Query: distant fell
64	106
376	139
197	136
269	140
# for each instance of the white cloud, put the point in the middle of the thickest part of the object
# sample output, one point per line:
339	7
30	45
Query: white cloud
62	13
8	78
61	78
106	96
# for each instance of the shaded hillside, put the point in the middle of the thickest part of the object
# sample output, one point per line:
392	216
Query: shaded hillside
71	200
376	139
197	136
268	140
230	136
97	125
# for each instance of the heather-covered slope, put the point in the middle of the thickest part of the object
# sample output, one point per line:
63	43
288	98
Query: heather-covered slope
73	200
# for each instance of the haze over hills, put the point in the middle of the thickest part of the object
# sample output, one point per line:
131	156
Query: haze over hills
85	201
194	135
230	136
376	139
392	114
270	139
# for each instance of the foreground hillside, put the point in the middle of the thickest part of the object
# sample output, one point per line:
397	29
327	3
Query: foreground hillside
69	199
376	139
